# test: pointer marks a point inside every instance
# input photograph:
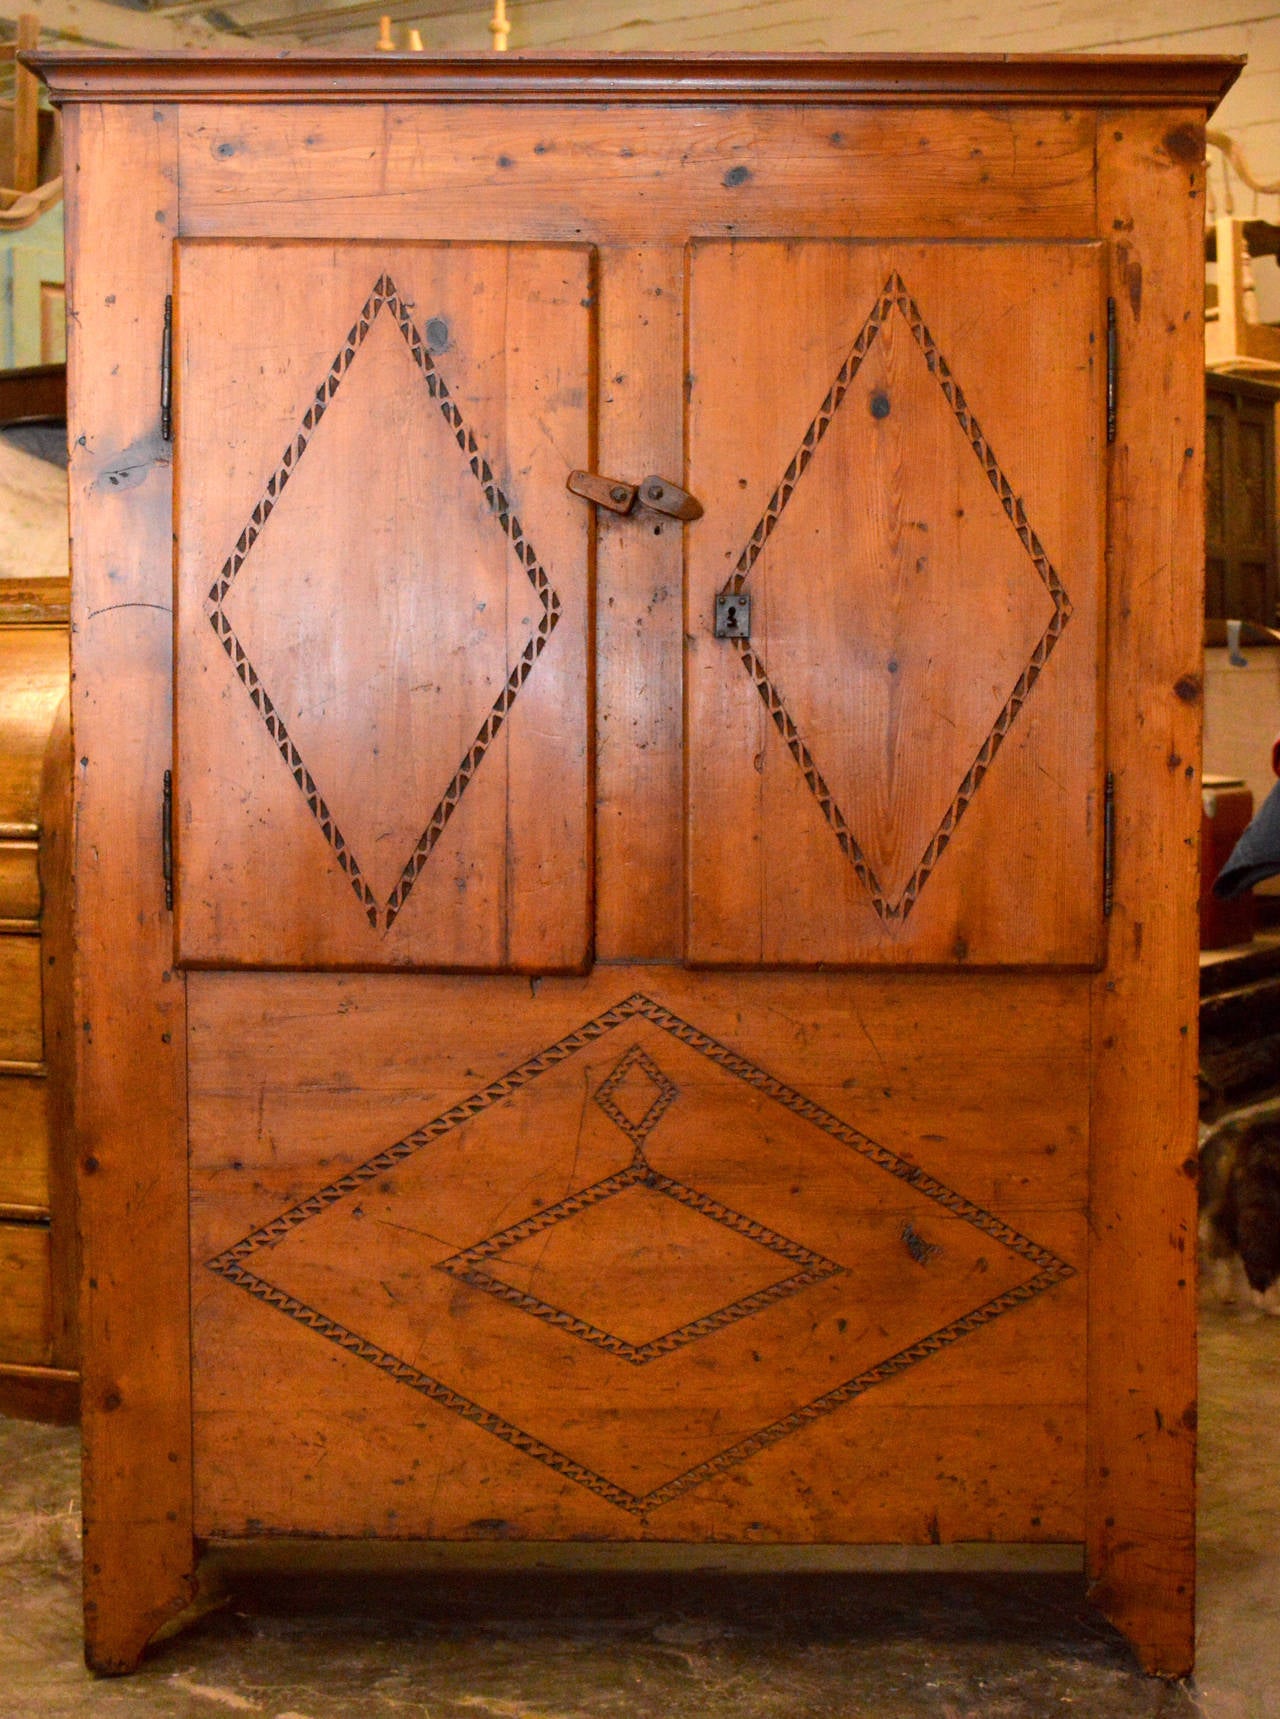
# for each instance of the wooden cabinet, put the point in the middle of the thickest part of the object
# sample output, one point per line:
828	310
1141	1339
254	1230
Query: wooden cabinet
612	1065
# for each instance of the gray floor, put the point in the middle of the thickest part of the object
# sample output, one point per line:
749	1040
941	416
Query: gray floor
539	1645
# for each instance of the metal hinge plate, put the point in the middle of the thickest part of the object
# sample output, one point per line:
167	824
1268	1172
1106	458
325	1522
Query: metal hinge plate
1112	369
1108	844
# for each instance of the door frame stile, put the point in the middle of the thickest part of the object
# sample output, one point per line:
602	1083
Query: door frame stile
1140	1549
130	1022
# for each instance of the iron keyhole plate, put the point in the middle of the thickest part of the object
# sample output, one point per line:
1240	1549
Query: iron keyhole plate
733	615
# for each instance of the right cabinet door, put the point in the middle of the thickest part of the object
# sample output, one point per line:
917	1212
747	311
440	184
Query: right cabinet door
895	757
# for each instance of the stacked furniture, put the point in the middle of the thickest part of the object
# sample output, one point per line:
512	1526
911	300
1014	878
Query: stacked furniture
37	1276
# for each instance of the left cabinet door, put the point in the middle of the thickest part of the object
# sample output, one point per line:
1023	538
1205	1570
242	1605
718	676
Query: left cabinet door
382	748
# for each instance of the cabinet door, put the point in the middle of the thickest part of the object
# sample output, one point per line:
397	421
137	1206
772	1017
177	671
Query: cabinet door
901	763
382	746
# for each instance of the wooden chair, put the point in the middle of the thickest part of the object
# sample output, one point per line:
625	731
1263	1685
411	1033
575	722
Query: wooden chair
1235	335
23	197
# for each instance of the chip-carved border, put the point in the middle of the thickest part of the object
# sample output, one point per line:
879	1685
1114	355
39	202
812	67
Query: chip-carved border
469	1267
894	296
1049	1270
385	295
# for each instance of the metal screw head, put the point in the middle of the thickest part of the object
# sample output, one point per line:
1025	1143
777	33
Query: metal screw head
619	493
654	492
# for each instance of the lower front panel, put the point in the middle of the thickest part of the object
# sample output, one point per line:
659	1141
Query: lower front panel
645	1255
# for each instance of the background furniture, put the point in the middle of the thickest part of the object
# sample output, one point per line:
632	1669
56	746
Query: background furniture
37	1269
1240	486
577	1072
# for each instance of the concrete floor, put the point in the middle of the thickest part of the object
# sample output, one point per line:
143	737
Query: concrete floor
539	1645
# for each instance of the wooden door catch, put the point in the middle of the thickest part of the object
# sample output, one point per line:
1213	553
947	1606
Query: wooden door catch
622	497
612	493
669	498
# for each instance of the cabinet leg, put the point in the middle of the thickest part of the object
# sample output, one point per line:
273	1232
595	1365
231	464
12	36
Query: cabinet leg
1150	1598
134	1584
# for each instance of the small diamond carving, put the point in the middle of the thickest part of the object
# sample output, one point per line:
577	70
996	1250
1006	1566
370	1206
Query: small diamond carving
637	1085
384	299
893	906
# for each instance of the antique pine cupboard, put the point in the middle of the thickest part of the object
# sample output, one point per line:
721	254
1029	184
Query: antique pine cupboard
661	600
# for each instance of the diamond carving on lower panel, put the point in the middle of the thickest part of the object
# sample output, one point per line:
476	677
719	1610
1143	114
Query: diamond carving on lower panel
759	1335
383	909
651	1251
894	900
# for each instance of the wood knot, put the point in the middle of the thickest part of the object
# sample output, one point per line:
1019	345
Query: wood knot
1184	143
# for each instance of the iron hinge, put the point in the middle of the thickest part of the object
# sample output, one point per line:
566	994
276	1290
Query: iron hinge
166	839
1112	367
1108	843
166	372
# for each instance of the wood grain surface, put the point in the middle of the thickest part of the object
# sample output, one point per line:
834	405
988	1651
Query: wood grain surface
57	999
647	1255
1141	1543
33	671
24	1128
902	763
26	1313
639	687
478	172
21	1033
383	614
19	886
796	79
129	1006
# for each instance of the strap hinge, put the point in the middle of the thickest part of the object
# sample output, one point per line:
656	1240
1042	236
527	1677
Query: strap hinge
166	372
166	839
1108	843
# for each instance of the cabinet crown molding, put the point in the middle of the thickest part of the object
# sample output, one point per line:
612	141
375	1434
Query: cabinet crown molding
75	75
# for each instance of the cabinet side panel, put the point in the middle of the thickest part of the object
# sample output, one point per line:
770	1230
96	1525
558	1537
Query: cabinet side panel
130	1018
1142	1266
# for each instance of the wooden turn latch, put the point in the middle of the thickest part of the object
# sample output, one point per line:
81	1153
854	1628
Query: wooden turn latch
620	497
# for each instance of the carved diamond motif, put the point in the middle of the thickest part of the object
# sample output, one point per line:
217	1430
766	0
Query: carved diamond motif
957	1267
629	1253
382	905
894	899
635	1095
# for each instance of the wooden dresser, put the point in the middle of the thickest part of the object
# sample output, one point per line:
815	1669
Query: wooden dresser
37	1229
665	1006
